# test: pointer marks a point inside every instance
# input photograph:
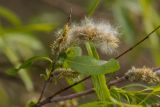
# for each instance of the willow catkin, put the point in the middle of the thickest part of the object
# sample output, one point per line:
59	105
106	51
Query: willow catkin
103	35
143	74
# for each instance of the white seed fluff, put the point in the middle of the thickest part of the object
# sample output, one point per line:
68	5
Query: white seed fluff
102	34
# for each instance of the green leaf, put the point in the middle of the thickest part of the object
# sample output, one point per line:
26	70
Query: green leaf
105	103
11	71
28	63
14	59
74	51
93	6
135	85
90	66
10	16
121	14
36	27
43	27
78	88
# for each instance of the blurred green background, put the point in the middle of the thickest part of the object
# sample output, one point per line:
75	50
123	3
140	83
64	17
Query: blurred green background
27	28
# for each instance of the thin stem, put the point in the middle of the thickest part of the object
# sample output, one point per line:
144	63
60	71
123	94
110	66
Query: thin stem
45	85
113	82
66	88
99	81
156	69
89	91
132	47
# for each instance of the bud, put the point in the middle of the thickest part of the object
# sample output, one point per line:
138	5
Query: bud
66	72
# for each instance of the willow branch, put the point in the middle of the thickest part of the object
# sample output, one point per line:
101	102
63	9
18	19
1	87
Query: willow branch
87	92
113	82
128	50
45	85
71	96
57	99
132	47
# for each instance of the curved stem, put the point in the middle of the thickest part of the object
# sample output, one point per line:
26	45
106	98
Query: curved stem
99	81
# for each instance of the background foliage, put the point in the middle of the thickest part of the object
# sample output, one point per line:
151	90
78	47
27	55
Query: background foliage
27	29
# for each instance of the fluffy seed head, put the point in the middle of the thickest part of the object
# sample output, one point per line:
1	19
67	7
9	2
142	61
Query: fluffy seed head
142	74
60	44
102	34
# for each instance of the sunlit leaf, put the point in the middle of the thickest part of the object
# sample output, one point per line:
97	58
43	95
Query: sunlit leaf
78	88
90	66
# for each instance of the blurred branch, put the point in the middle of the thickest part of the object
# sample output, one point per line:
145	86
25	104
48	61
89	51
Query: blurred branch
46	83
10	78
65	6
57	99
156	69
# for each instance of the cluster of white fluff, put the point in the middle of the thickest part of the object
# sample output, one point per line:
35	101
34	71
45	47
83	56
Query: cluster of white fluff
102	34
143	74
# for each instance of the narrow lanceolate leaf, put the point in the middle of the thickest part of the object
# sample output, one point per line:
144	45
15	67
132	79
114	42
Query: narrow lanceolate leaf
93	6
96	104
90	66
28	63
105	103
